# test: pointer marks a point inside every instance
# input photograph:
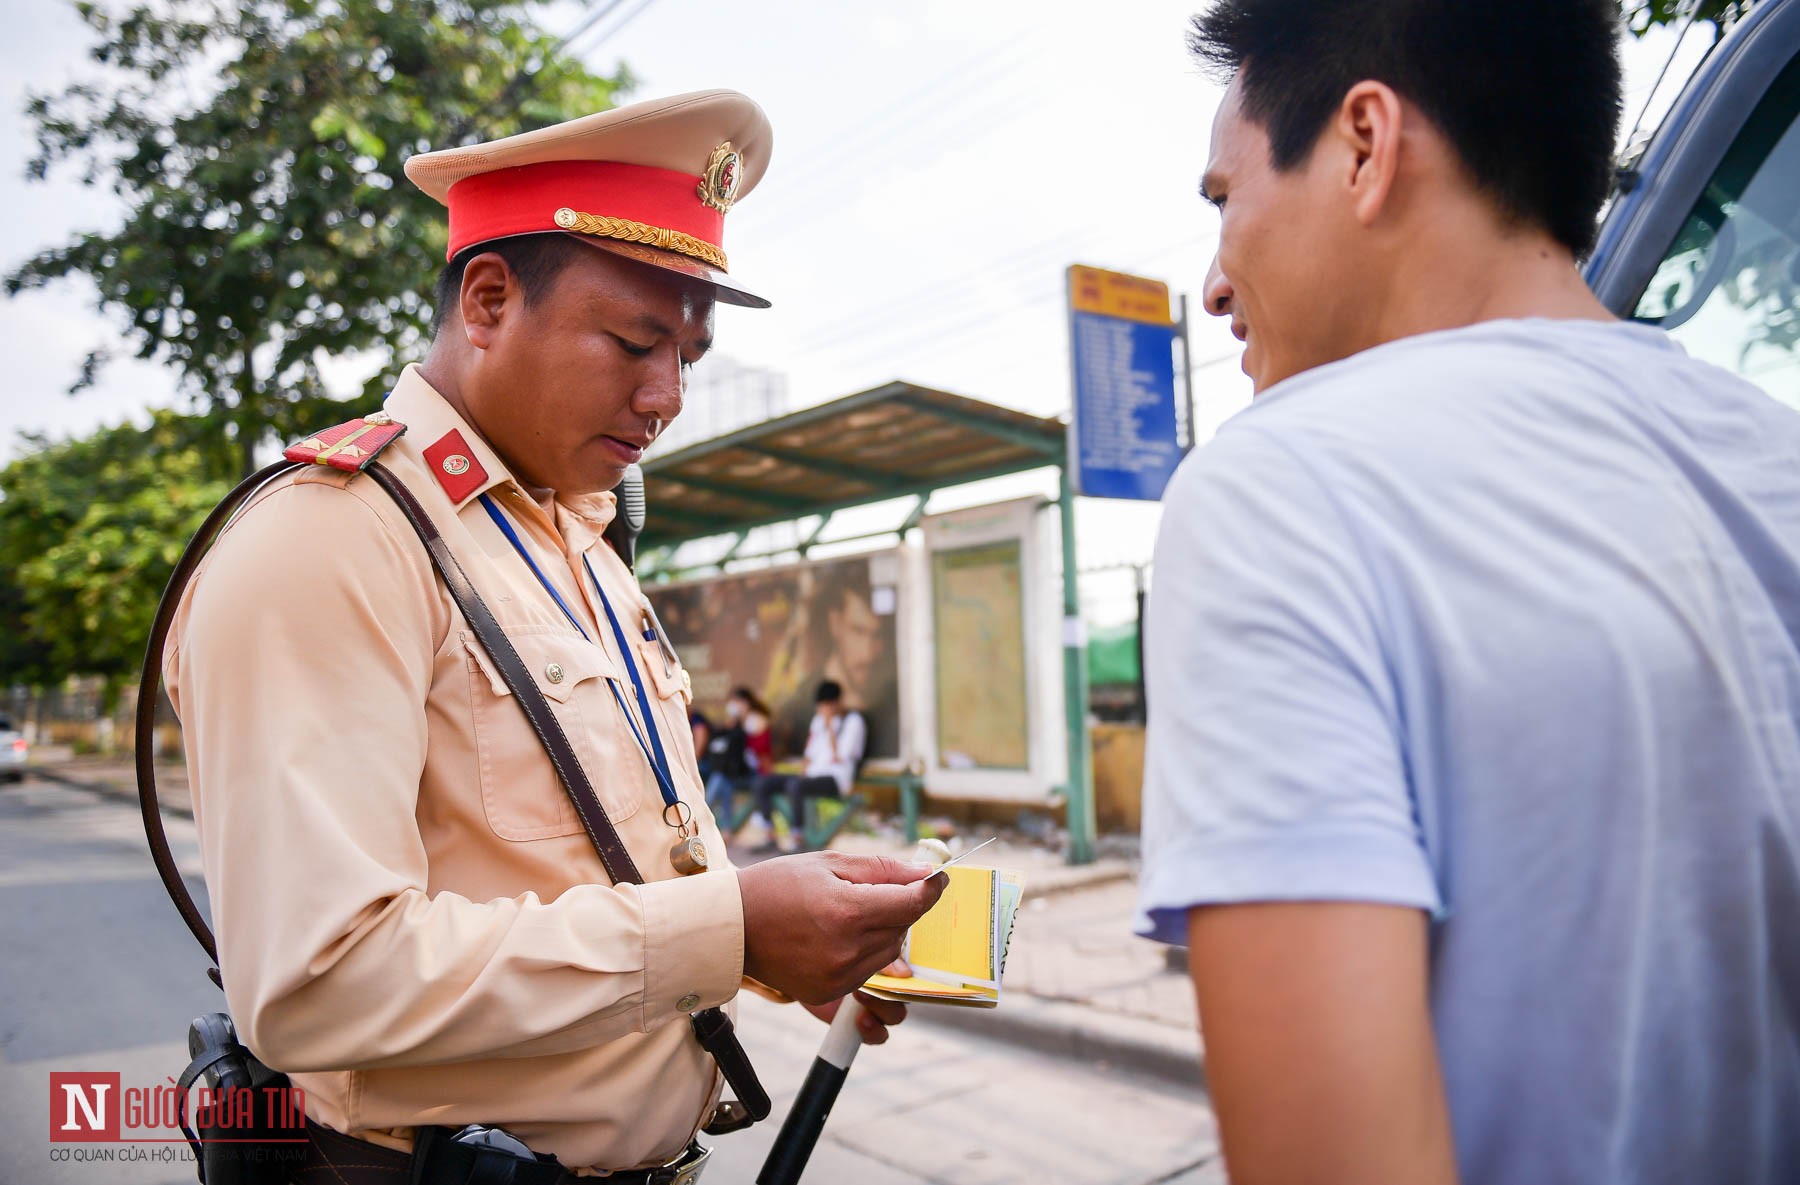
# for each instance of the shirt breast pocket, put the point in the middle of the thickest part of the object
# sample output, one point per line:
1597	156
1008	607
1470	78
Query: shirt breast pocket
519	789
669	688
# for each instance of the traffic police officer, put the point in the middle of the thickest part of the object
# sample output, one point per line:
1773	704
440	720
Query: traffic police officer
411	920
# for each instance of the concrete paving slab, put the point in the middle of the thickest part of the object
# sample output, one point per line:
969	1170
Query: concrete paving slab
960	1108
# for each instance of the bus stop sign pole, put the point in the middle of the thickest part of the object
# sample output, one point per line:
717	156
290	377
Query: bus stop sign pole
1080	797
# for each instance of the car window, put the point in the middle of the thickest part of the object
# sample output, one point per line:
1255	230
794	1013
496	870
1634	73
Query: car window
1729	288
6	724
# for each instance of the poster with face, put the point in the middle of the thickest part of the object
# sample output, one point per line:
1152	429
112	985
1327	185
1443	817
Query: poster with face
783	631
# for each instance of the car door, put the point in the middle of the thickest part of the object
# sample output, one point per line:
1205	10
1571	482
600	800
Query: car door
1703	236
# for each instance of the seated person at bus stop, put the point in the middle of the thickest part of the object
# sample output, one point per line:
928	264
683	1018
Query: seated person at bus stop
736	752
834	748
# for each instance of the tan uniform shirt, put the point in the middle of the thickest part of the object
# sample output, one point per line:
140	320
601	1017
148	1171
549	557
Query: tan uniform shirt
411	919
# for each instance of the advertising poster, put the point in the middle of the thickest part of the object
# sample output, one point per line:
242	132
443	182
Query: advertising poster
982	718
781	632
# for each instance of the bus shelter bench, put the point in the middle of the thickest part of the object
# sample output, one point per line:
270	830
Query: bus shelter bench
911	785
825	817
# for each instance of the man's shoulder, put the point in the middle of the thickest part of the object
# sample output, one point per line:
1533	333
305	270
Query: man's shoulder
1446	371
1440	403
350	447
314	502
327	508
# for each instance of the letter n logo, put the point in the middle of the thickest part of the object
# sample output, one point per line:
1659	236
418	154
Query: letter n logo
84	1108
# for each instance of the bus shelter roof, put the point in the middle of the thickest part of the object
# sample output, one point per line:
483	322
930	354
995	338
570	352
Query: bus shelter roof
894	441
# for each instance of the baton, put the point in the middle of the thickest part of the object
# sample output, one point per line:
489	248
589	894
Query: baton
800	1131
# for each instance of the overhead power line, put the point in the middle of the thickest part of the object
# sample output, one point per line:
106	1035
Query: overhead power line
609	34
951	321
464	131
956	329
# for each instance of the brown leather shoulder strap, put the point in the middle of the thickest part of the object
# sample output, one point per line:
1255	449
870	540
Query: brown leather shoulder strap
150	688
711	1026
618	862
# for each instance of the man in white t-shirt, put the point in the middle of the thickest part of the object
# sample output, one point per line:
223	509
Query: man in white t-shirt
834	748
1473	779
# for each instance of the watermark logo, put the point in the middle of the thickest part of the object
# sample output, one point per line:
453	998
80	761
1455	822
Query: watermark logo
98	1108
84	1108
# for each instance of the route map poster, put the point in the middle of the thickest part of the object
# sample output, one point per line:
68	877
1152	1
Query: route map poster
780	632
979	610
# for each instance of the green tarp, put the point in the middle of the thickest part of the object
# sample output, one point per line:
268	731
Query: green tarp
1112	654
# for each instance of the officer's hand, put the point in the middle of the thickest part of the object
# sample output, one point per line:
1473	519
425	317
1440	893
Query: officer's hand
817	925
877	1016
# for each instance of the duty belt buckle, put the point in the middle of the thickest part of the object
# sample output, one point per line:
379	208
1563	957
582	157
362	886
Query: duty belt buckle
686	1169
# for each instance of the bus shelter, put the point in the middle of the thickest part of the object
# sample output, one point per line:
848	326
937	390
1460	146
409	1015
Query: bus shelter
902	441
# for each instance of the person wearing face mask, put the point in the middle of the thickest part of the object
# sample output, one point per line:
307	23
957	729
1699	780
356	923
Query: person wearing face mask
836	741
737	751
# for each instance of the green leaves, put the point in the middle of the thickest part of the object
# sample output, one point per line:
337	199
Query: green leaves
269	229
89	533
1643	15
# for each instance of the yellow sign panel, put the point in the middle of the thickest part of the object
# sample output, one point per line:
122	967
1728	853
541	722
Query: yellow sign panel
1115	294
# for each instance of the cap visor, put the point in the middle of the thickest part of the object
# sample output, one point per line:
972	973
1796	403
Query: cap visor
727	290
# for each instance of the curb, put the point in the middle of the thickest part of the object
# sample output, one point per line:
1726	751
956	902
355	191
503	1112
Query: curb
52	773
1074	878
1066	1029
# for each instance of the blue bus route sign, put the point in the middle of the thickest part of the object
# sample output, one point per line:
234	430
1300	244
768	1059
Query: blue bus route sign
1124	433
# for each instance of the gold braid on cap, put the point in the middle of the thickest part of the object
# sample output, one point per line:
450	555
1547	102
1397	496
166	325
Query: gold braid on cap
628	231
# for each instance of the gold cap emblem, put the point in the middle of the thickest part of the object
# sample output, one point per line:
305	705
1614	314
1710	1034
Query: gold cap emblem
719	184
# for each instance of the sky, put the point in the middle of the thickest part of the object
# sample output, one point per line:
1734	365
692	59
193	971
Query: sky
937	166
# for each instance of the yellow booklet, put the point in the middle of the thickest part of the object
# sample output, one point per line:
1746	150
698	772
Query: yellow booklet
958	949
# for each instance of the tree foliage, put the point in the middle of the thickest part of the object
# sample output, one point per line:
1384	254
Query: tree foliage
1643	15
90	531
257	147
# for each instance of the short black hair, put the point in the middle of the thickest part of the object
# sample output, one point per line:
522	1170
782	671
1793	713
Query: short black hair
829	692
1527	94
535	259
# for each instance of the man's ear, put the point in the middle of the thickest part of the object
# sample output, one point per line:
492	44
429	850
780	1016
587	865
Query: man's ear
488	285
1368	123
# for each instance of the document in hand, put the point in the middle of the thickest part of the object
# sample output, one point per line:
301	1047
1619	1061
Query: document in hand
958	950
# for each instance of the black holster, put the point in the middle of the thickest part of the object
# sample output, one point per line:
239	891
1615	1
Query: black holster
233	1135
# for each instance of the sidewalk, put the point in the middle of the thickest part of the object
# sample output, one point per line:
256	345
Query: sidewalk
112	776
1078	983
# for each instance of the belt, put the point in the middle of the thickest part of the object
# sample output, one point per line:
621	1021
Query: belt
337	1159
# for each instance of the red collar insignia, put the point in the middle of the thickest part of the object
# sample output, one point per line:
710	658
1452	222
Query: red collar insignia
454	465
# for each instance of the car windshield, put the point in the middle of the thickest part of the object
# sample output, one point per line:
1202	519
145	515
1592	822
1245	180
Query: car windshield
1729	288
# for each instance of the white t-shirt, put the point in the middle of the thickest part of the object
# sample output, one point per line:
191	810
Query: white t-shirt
851	735
1504	623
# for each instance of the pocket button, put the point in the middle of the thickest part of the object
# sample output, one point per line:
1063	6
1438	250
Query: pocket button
554	672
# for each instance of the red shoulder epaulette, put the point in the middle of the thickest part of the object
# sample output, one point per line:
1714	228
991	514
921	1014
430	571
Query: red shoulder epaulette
351	447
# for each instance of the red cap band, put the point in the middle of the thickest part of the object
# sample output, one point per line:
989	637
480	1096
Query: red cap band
524	200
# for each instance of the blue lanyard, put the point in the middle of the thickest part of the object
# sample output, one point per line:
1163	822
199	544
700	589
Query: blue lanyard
662	759
659	764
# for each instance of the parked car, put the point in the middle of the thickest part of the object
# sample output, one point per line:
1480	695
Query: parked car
14	752
1703	236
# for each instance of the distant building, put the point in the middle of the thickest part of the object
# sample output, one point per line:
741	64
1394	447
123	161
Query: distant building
724	395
